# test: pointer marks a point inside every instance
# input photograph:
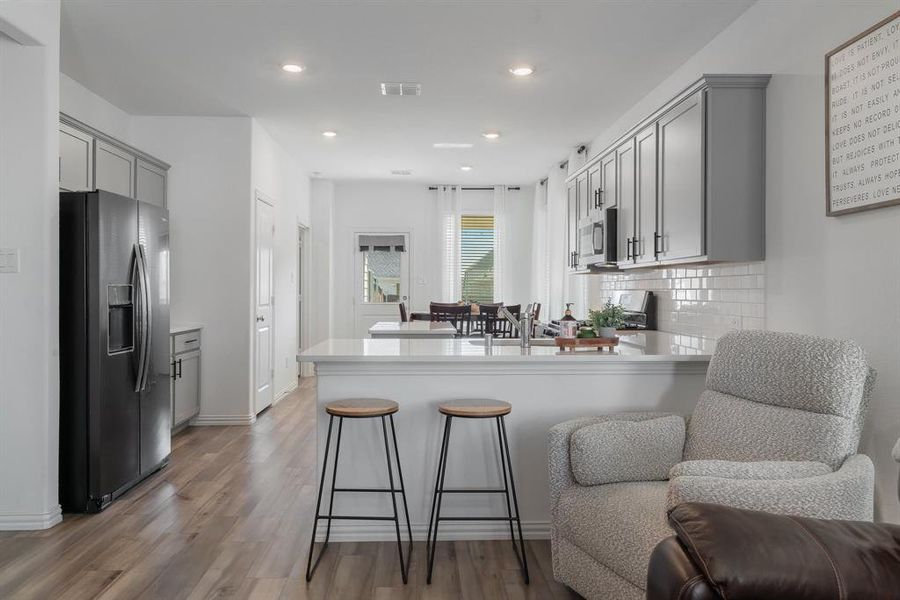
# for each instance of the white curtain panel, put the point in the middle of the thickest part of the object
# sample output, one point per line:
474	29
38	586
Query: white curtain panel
448	209
540	261
500	218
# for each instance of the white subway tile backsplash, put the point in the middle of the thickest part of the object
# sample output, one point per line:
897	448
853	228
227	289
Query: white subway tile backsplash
707	300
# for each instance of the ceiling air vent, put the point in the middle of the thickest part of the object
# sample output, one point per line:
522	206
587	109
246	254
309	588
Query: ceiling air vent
401	172
401	88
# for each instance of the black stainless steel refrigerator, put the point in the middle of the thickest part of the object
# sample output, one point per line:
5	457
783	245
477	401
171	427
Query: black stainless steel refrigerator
115	421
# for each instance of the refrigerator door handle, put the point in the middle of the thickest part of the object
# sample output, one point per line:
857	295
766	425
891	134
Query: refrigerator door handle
148	318
139	298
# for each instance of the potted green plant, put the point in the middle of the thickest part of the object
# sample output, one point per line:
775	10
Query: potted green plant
608	319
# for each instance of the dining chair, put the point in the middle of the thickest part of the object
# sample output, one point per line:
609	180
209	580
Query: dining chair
488	320
460	315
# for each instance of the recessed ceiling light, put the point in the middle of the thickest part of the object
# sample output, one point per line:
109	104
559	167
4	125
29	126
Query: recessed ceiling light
465	168
521	70
292	68
491	135
329	134
445	145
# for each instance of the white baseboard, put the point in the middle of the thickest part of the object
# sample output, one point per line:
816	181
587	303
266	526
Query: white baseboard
203	420
30	522
384	531
284	393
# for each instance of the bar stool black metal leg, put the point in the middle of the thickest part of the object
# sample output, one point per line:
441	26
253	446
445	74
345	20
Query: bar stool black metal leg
512	536
337	455
387	456
512	484
439	493
437	479
312	543
402	494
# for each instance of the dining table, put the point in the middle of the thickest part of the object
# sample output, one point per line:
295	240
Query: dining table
413	330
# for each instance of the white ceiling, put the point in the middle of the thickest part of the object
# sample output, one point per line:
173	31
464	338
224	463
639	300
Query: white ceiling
204	57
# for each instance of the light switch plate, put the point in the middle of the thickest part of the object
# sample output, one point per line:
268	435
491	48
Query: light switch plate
9	260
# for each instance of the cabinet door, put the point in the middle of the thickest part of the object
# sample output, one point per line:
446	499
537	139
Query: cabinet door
572	224
625	193
608	173
150	183
75	159
584	204
113	169
186	397
645	201
595	185
681	176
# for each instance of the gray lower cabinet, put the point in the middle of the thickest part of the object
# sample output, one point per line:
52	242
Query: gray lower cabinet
76	159
689	180
90	159
185	365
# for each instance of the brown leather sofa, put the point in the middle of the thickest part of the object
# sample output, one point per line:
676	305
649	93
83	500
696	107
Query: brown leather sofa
723	553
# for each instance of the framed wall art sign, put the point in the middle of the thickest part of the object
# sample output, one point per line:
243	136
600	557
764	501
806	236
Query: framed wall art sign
862	120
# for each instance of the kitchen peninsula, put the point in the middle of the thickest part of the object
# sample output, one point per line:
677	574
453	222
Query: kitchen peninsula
647	371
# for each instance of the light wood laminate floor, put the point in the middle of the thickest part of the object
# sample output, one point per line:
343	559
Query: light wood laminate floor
230	518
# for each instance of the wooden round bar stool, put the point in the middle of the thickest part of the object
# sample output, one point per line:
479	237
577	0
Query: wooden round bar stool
361	408
476	409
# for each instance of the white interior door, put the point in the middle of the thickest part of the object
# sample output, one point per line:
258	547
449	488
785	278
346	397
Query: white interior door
381	282
264	298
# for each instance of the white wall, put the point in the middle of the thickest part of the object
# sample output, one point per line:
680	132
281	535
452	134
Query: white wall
320	292
836	277
359	206
29	300
81	103
276	175
210	216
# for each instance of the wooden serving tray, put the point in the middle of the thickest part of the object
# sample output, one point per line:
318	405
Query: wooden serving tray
598	344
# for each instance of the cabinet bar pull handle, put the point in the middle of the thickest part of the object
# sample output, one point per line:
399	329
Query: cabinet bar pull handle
656	249
179	368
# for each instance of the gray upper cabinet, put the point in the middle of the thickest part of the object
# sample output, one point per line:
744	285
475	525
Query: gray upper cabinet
680	218
625	199
90	159
113	169
608	174
150	183
584	205
76	159
644	245
689	180
572	224
595	187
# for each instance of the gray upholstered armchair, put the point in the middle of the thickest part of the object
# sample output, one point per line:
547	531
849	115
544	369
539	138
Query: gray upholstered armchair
776	429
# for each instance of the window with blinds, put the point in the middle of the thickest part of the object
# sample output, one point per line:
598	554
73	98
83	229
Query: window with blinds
476	258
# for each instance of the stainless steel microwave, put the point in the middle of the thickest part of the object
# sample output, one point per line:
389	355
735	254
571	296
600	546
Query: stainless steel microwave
597	240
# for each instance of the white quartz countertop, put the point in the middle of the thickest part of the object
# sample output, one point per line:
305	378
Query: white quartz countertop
176	328
647	346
